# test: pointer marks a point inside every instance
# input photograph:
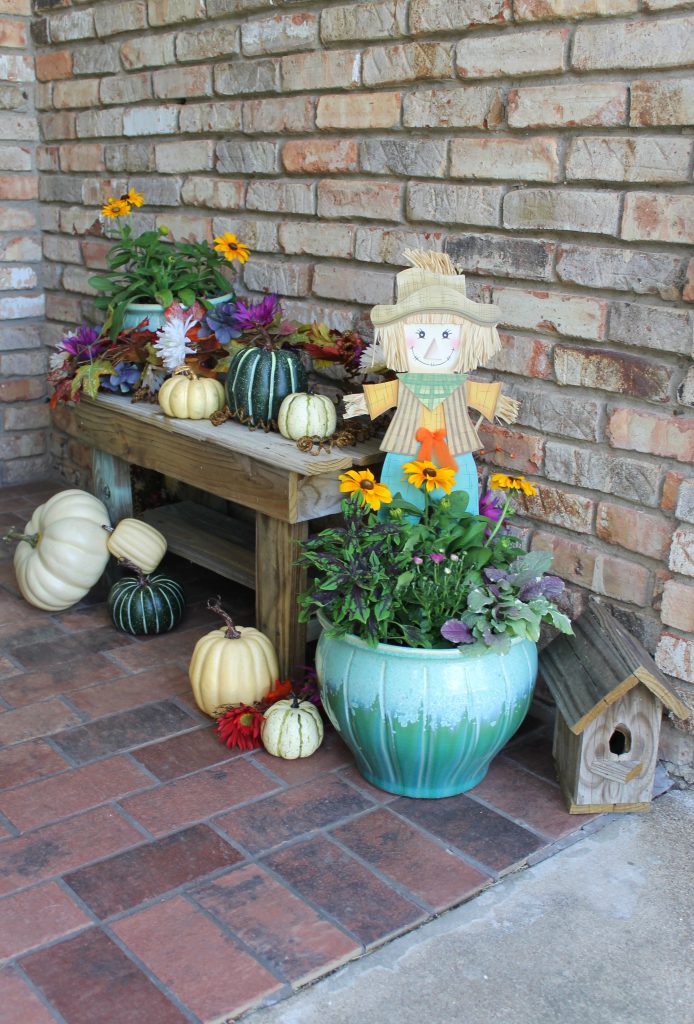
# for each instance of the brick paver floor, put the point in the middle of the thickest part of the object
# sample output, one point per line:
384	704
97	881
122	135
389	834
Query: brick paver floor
148	874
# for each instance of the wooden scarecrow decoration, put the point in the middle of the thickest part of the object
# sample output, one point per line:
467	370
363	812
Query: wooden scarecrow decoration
432	338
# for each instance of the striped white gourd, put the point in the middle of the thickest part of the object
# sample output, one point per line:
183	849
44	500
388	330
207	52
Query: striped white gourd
303	415
291	729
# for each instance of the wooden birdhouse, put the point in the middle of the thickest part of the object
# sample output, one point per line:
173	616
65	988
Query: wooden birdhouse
609	695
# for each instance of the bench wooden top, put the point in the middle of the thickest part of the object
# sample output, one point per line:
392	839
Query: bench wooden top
262	471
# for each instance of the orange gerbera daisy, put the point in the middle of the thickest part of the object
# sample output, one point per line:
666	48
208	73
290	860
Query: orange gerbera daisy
116	208
363	483
134	198
231	247
503	482
426	474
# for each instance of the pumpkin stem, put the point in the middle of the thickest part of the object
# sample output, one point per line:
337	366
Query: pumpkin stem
295	700
142	577
105	526
13	534
184	371
215	605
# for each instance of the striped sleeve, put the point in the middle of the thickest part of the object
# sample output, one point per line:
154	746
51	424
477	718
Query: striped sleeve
380	397
482	396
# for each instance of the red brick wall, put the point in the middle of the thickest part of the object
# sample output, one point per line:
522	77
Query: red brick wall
543	143
23	414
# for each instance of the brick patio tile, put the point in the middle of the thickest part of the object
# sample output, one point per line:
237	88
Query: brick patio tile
50	716
34	686
330	755
131	691
535	754
342	887
128	879
85	617
17	635
38	803
29	919
126	729
14	609
4	832
275	924
293	812
205	968
523	796
7	670
57	848
353	775
184	754
18	1004
198	796
70	647
478	832
25	762
150	652
90	980
410	858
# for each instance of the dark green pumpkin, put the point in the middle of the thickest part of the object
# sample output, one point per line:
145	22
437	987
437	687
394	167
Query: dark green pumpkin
259	379
145	605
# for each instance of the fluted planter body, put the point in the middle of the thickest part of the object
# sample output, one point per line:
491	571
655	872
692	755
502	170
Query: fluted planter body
136	312
424	723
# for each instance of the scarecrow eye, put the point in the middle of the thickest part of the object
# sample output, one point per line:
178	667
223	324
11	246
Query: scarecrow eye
421	334
446	334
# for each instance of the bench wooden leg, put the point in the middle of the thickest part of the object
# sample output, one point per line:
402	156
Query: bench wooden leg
278	584
112	484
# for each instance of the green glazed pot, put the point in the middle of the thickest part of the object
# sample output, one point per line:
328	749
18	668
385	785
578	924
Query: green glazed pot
424	723
136	312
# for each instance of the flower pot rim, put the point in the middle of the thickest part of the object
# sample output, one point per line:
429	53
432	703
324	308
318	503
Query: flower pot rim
441	653
156	305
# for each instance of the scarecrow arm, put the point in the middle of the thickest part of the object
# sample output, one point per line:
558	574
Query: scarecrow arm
507	409
377	398
355	405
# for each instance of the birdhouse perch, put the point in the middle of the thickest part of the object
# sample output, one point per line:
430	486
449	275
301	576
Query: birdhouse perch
609	695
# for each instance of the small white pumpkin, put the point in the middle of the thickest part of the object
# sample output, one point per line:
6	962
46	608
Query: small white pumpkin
137	542
62	552
303	415
232	665
292	728
189	397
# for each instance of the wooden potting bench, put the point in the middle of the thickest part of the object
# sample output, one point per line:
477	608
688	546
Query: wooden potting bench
285	488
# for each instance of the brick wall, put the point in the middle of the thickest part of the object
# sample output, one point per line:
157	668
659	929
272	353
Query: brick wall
23	414
543	143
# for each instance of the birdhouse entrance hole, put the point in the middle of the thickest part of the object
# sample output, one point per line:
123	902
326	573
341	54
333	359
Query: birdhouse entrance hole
620	740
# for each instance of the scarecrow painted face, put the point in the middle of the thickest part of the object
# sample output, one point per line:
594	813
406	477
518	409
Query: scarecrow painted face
432	348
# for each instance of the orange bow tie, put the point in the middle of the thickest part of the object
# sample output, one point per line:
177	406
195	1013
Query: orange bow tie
433	448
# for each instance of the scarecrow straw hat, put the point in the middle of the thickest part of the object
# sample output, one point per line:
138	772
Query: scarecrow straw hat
432	285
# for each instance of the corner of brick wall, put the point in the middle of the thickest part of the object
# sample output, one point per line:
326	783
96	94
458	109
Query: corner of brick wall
23	413
543	143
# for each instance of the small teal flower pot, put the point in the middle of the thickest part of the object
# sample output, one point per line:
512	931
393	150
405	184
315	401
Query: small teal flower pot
136	312
424	723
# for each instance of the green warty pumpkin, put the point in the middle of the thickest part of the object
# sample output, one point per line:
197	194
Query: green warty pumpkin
259	379
146	605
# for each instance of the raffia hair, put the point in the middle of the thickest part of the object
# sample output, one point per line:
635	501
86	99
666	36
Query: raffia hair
478	342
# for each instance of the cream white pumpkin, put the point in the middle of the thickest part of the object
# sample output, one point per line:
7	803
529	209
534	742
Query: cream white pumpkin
63	551
231	665
189	397
303	415
137	542
292	728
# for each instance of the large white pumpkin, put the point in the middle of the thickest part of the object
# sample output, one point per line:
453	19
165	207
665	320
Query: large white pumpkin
304	415
138	543
64	551
232	665
189	397
292	728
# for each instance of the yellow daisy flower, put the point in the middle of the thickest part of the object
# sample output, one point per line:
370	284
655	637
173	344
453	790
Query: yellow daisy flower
116	208
502	482
430	476
134	198
362	482
231	247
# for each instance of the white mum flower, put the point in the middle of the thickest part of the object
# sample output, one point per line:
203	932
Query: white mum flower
172	342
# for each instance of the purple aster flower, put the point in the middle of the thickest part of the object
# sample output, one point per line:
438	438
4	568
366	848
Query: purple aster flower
417	560
457	632
124	379
222	322
436	557
260	314
84	343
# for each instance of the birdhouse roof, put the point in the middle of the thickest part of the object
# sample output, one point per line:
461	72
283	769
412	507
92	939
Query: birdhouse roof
601	662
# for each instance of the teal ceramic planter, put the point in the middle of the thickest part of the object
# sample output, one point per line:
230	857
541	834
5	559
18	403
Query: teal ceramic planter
136	312
424	723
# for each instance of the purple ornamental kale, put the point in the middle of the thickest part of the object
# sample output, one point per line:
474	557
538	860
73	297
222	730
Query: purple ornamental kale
222	322
84	343
457	632
548	586
260	314
124	379
495	575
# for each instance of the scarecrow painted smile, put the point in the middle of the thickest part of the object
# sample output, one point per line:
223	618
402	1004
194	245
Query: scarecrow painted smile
432	347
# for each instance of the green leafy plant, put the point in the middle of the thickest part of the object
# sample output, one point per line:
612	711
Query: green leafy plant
427	577
154	268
